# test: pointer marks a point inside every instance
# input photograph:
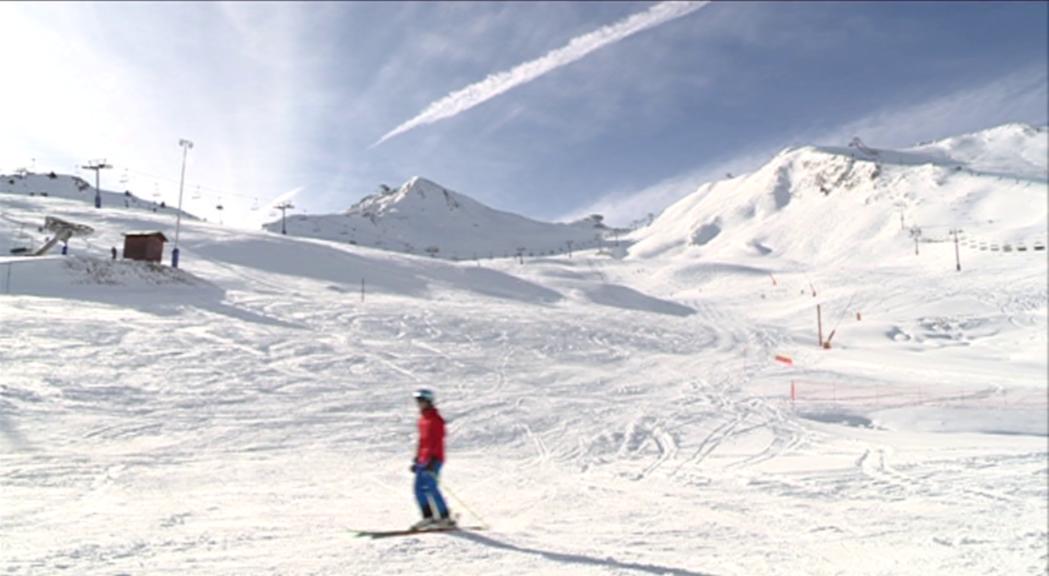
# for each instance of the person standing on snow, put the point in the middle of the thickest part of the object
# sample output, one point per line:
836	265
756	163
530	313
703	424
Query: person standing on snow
429	458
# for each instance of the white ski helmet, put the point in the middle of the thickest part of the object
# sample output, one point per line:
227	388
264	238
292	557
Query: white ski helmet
424	394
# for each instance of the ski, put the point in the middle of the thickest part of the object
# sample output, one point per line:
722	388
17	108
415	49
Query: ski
374	534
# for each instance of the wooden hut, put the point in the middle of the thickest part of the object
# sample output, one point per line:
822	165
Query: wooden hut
147	246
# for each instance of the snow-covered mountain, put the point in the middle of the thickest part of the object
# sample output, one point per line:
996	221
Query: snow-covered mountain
820	204
422	217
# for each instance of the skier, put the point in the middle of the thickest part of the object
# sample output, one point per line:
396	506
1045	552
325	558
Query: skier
429	458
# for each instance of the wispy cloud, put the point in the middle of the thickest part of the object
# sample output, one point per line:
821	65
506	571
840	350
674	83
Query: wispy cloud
580	46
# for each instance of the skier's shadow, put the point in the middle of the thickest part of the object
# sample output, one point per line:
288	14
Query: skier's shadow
576	558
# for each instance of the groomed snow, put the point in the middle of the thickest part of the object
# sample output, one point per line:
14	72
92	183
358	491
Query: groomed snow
606	416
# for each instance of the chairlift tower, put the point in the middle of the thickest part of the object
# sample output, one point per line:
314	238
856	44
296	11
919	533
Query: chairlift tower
283	221
97	165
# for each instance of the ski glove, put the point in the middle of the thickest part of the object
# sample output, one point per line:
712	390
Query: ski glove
428	467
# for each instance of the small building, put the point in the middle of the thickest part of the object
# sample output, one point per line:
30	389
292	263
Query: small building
147	246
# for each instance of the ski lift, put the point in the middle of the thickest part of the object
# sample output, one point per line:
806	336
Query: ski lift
196	195
156	190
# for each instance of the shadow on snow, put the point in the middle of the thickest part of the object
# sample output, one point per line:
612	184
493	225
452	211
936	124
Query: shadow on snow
576	558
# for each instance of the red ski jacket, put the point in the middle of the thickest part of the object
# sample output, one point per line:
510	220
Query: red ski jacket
431	437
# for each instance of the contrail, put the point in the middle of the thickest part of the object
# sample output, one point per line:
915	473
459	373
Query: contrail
495	84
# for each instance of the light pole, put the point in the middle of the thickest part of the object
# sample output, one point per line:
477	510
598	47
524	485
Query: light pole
186	145
97	165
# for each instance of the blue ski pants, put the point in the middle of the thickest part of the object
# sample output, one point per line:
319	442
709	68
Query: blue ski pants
428	494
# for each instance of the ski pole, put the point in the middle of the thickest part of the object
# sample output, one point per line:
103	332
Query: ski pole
463	504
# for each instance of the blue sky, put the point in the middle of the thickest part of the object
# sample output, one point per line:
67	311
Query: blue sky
288	100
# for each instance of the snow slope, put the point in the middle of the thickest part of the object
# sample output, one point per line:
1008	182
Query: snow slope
1011	149
605	416
421	217
831	206
54	185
